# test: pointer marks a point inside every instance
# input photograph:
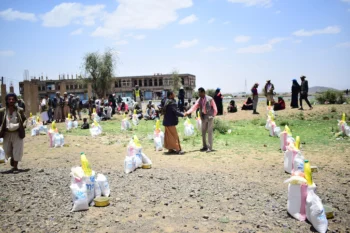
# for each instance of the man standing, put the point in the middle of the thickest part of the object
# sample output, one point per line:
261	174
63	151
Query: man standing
181	98
268	90
208	111
44	106
138	96
72	105
66	109
58	105
50	109
218	101
171	114
79	106
13	123
255	97
304	90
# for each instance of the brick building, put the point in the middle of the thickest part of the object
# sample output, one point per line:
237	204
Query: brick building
153	86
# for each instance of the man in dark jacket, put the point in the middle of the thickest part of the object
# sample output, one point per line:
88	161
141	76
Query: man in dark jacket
304	89
181	98
171	114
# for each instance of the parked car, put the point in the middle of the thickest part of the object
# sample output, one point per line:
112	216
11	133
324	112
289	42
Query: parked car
129	101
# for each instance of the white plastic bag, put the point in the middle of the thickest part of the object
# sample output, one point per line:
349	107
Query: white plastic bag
75	124
315	212
277	131
57	140
145	159
35	131
285	140
62	140
135	119
268	124
125	124
80	199
199	124
43	129
95	129
272	129
98	191
158	140
90	187
69	124
189	129
289	157
103	184
347	131
2	155
129	164
298	164
296	205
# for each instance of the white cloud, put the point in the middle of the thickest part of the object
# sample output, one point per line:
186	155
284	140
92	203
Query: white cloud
189	19
212	49
343	45
297	41
6	53
139	37
77	32
67	13
122	42
263	3
211	20
11	15
227	22
140	14
347	1
186	44
327	30
242	39
263	48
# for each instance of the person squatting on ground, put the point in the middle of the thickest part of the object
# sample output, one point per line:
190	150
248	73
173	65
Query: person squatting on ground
218	101
248	104
150	113
304	90
207	109
13	123
138	95
232	107
171	114
269	91
280	105
255	97
85	124
295	94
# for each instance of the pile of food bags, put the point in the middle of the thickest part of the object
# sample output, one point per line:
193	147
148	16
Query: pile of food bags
135	158
55	138
343	126
85	186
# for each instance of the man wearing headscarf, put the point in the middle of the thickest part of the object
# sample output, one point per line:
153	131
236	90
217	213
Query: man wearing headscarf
66	108
268	91
138	96
13	123
218	101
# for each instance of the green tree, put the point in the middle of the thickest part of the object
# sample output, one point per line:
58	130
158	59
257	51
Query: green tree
176	81
210	92
100	70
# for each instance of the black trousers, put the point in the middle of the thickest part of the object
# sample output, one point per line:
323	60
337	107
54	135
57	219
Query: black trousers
304	97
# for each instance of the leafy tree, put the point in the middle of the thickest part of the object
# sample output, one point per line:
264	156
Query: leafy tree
176	81
100	69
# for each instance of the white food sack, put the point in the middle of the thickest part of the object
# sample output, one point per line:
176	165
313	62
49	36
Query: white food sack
277	131
129	164
145	159
90	187
69	124
62	140
125	124
98	191
189	129
103	183
315	212
57	140
80	199
135	119
289	157
298	164
75	124
347	130
2	155
296	205
35	131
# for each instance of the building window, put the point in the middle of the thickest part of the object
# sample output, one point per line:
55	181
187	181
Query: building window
116	84
150	83
145	82
67	87
85	86
75	86
140	83
58	87
43	88
39	88
123	83
182	81
156	82
71	87
160	82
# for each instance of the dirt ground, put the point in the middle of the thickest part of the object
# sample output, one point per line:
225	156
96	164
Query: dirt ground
197	192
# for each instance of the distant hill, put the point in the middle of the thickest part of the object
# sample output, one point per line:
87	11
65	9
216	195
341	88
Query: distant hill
320	89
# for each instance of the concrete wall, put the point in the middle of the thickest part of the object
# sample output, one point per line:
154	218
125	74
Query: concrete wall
31	97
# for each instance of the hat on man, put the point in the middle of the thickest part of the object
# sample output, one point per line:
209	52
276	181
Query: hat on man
78	97
269	80
303	77
65	93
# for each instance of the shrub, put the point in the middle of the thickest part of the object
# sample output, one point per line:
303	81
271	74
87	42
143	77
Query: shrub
221	126
331	97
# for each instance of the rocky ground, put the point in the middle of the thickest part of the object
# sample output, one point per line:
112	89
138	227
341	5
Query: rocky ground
196	192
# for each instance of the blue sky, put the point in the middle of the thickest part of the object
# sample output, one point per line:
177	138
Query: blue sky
222	42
